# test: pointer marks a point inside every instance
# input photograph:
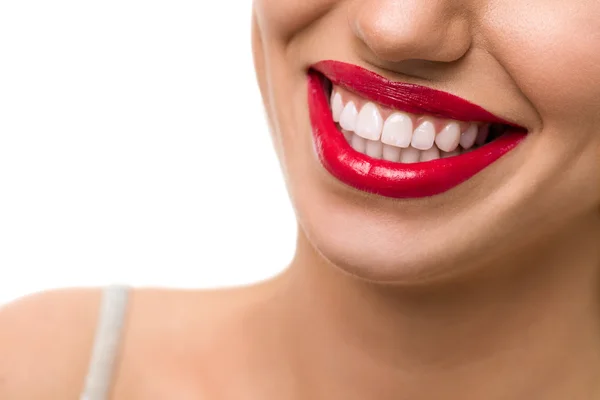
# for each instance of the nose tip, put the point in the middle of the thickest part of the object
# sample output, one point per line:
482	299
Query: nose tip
412	29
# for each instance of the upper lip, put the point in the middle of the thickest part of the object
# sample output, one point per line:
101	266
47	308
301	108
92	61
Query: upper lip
408	97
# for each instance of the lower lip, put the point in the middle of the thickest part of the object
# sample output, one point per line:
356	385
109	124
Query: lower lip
387	178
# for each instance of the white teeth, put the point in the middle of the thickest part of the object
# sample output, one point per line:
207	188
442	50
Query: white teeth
369	122
359	144
482	135
348	117
430	154
397	130
337	106
396	139
391	153
374	149
449	138
424	136
410	155
467	139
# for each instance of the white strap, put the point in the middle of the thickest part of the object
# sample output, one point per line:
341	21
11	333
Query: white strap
113	308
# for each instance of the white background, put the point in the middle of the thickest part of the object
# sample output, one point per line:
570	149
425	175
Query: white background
134	149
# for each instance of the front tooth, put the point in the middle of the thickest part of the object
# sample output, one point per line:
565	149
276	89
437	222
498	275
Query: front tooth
410	155
467	139
449	138
348	117
374	149
369	122
359	144
397	130
337	106
429	155
424	136
391	153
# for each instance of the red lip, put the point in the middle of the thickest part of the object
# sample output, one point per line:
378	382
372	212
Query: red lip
387	178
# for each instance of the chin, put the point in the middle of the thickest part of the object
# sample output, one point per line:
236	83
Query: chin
374	240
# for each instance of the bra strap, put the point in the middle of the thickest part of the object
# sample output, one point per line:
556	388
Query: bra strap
107	341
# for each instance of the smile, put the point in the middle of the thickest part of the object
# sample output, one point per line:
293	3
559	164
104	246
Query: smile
400	140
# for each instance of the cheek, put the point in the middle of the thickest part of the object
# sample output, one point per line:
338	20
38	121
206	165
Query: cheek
552	49
283	18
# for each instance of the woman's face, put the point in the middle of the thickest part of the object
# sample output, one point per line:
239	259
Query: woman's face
426	210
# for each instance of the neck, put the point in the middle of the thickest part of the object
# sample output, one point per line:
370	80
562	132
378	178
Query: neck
528	330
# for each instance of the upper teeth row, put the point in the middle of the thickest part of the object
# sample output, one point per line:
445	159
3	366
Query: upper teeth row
399	128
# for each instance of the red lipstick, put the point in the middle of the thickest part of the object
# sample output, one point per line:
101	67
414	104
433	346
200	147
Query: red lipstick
393	179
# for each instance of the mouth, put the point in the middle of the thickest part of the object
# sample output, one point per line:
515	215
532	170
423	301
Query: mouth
400	140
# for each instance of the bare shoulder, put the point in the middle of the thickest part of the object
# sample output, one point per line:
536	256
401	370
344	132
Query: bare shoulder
45	341
175	343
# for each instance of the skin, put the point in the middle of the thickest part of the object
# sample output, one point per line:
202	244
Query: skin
491	290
